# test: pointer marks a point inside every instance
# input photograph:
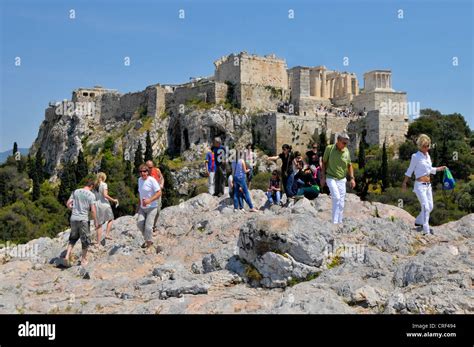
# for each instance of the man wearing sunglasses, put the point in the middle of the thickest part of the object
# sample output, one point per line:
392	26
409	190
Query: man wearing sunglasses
335	166
150	191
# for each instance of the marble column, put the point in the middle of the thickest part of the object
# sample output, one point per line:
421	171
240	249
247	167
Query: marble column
348	84
324	85
317	83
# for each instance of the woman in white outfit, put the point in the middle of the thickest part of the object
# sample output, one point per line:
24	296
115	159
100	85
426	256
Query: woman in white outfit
421	165
104	210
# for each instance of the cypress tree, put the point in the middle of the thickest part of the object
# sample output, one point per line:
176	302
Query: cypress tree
104	167
68	182
384	168
81	167
36	188
138	160
361	156
148	148
39	168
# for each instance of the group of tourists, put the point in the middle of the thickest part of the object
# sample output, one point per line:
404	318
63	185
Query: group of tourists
299	176
307	175
94	198
238	174
306	178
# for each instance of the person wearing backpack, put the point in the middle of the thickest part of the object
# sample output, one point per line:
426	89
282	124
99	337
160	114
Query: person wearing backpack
421	166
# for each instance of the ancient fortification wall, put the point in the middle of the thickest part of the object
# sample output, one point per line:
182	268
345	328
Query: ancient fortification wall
264	86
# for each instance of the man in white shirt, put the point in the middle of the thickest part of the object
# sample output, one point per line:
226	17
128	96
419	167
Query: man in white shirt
421	165
149	191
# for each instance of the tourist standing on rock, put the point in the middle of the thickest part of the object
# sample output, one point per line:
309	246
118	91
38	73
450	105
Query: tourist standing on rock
149	191
104	210
240	195
274	190
211	171
158	176
421	165
250	160
336	164
220	158
239	171
81	202
286	159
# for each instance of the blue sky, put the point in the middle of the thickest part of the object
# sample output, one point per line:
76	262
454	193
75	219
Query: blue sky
59	54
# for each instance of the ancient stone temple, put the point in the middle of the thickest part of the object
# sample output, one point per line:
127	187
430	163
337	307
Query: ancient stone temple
287	105
312	86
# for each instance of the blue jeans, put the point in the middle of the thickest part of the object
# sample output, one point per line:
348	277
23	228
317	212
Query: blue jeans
240	182
274	195
240	197
289	185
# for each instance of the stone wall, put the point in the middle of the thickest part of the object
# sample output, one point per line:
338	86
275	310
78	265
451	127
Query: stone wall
372	101
265	71
272	130
252	69
227	69
131	103
260	98
380	128
109	107
208	91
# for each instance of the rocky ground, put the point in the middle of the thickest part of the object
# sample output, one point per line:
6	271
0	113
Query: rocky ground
279	260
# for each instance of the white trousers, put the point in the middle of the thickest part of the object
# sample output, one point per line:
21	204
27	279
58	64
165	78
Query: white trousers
338	195
425	196
210	183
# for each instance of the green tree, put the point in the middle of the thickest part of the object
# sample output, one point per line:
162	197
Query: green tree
109	144
15	148
361	154
39	168
68	182
81	167
30	167
104	166
36	188
128	176
138	159
406	149
384	168
148	148
169	194
21	165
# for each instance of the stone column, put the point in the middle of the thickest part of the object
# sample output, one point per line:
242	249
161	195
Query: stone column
348	84
317	83
324	85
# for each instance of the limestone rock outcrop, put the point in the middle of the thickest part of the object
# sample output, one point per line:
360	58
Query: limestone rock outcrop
280	260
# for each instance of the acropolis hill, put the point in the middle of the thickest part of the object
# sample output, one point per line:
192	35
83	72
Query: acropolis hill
283	105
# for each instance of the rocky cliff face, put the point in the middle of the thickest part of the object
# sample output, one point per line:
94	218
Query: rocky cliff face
61	137
279	260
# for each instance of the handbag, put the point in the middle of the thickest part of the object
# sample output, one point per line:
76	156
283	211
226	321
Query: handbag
448	180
